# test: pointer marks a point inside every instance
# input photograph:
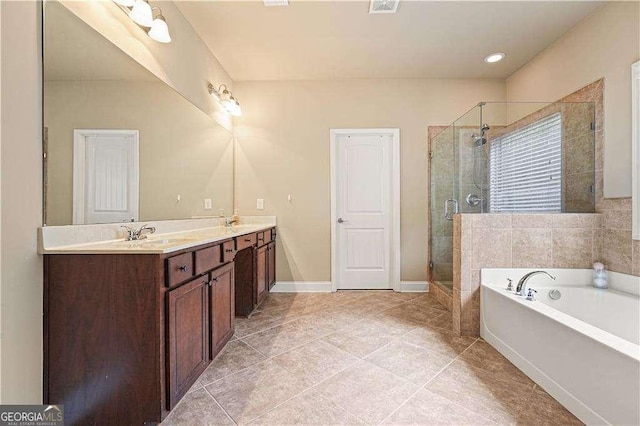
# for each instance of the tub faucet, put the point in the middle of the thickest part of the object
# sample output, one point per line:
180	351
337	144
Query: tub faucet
522	284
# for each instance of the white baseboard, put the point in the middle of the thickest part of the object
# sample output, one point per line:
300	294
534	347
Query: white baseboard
414	286
302	287
325	287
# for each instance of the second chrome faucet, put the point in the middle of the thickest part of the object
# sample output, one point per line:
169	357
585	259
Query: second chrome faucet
522	284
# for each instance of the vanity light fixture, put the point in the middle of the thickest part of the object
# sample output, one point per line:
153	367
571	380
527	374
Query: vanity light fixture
226	98
148	18
159	29
141	13
494	57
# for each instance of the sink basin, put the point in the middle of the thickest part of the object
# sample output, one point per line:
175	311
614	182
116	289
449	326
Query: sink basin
164	241
152	242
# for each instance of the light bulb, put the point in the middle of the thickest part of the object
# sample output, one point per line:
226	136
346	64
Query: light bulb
160	31
235	109
141	13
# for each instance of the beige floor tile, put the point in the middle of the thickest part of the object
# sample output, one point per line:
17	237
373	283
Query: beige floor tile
277	340
315	361
392	325
443	341
485	357
416	364
320	324
258	321
444	321
418	312
543	410
254	391
481	392
236	356
367	391
197	408
309	408
427	408
359	340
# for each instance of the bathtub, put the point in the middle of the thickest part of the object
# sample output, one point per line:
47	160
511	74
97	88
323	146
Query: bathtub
583	349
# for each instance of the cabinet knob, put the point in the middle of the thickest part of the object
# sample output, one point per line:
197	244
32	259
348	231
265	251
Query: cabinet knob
247	240
216	279
229	250
183	268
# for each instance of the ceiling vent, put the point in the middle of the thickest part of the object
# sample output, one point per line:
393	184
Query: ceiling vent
269	3
383	6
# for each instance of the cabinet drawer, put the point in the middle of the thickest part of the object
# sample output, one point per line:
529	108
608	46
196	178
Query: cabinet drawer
208	259
179	268
245	241
228	251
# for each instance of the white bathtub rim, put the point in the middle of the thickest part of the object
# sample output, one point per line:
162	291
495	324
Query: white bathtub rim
596	334
624	283
570	402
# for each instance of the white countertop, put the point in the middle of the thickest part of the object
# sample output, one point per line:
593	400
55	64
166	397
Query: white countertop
159	243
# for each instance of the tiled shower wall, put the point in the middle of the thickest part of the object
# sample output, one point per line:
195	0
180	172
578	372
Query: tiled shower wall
529	241
516	241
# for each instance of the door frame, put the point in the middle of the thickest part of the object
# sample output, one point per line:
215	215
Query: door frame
394	232
79	172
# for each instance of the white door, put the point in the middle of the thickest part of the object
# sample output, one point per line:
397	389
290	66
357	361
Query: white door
363	209
105	180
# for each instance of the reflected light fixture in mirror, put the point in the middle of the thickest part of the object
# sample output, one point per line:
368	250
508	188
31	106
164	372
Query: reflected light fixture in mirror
149	18
226	98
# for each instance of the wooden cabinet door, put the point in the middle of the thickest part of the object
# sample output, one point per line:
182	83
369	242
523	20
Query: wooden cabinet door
271	263
222	307
188	340
262	286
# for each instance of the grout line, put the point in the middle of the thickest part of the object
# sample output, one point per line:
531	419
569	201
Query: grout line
220	405
311	388
358	360
427	383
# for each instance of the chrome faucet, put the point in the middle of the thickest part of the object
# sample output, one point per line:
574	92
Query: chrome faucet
138	234
522	284
228	221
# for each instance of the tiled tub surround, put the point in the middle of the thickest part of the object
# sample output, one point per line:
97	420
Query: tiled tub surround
109	238
516	241
583	348
361	357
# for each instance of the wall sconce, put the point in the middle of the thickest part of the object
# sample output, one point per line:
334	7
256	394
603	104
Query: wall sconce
148	18
226	98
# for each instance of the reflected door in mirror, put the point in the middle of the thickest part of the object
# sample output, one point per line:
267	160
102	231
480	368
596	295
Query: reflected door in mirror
105	176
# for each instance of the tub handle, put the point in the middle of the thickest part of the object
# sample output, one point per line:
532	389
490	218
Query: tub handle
448	214
530	295
510	284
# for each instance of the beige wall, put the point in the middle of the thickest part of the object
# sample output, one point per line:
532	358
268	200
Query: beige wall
604	45
186	64
182	150
21	209
283	148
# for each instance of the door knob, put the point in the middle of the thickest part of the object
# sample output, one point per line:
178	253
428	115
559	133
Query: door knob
341	220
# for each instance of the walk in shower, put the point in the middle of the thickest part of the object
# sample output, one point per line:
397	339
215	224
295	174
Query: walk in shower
508	158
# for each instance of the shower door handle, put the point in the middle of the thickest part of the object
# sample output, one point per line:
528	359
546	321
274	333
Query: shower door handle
448	213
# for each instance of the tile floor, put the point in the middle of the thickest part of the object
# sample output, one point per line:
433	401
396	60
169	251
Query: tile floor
361	357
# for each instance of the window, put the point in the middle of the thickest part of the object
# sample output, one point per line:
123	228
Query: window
525	168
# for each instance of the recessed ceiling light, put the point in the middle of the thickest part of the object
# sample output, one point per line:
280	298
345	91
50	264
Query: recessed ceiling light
494	57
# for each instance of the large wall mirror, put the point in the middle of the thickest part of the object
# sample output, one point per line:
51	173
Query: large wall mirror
122	145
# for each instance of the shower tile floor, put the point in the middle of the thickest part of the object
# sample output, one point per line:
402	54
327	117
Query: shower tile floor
361	357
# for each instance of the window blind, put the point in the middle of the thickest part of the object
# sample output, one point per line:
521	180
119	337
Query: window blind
525	168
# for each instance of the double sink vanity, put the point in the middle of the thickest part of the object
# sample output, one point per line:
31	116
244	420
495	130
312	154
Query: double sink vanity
129	326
